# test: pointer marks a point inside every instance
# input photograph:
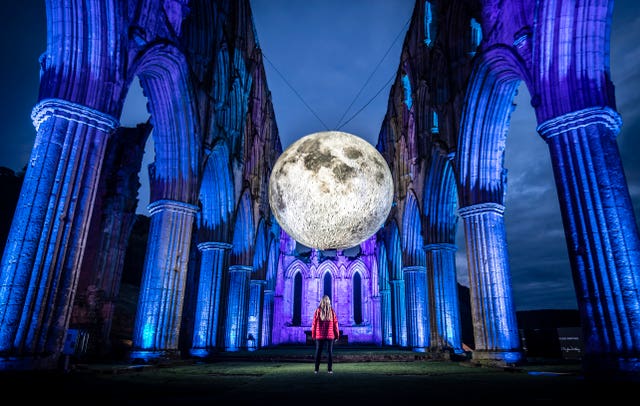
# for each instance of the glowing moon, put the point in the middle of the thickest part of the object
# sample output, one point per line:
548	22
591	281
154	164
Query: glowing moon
330	190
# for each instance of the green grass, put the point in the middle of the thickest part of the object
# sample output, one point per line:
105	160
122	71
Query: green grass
239	382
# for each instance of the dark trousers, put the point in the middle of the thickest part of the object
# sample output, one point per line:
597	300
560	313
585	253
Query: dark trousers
319	347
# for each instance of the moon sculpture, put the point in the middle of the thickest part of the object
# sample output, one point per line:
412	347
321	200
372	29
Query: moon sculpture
330	190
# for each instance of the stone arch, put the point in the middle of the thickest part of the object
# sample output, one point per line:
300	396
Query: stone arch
386	319
269	291
412	242
243	231
216	195
481	179
326	266
297	266
398	306
440	202
582	69
575	109
260	252
164	76
272	263
484	126
358	266
393	247
440	199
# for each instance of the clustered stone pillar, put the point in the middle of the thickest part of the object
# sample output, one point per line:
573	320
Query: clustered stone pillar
267	317
415	278
602	235
443	289
159	315
209	292
42	256
236	321
385	314
398	296
494	319
253	319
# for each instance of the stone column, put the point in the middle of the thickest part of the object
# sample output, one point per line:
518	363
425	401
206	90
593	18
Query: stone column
375	320
494	319
602	236
415	278
113	219
43	253
253	320
385	316
236	321
159	314
399	311
267	318
208	304
443	291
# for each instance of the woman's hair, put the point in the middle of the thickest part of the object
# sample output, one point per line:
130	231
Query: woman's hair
325	308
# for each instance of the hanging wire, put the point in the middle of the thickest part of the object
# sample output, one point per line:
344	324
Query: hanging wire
402	30
369	102
338	125
295	91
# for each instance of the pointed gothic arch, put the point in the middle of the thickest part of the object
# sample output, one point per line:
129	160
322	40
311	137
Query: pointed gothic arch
216	196
164	76
482	177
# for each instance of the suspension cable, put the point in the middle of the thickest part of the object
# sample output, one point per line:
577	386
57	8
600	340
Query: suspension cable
295	91
338	126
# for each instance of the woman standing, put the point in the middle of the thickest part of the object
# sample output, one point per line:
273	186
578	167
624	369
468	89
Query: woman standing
324	330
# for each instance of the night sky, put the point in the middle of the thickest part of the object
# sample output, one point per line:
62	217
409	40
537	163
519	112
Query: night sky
328	50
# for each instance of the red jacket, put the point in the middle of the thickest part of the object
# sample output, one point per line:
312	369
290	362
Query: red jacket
324	329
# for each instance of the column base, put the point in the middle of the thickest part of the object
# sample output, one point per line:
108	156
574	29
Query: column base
611	368
153	356
28	363
496	358
203	352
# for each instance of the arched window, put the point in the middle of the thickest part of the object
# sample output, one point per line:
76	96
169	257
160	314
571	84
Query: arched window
297	300
357	298
327	284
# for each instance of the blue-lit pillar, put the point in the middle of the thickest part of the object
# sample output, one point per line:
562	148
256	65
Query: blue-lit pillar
238	297
376	320
443	289
399	311
267	318
385	315
159	314
492	311
44	249
208	304
253	320
602	236
415	279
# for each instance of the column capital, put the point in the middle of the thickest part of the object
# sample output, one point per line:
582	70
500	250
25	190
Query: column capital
241	268
444	246
70	111
579	119
212	245
481	208
171	205
414	268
